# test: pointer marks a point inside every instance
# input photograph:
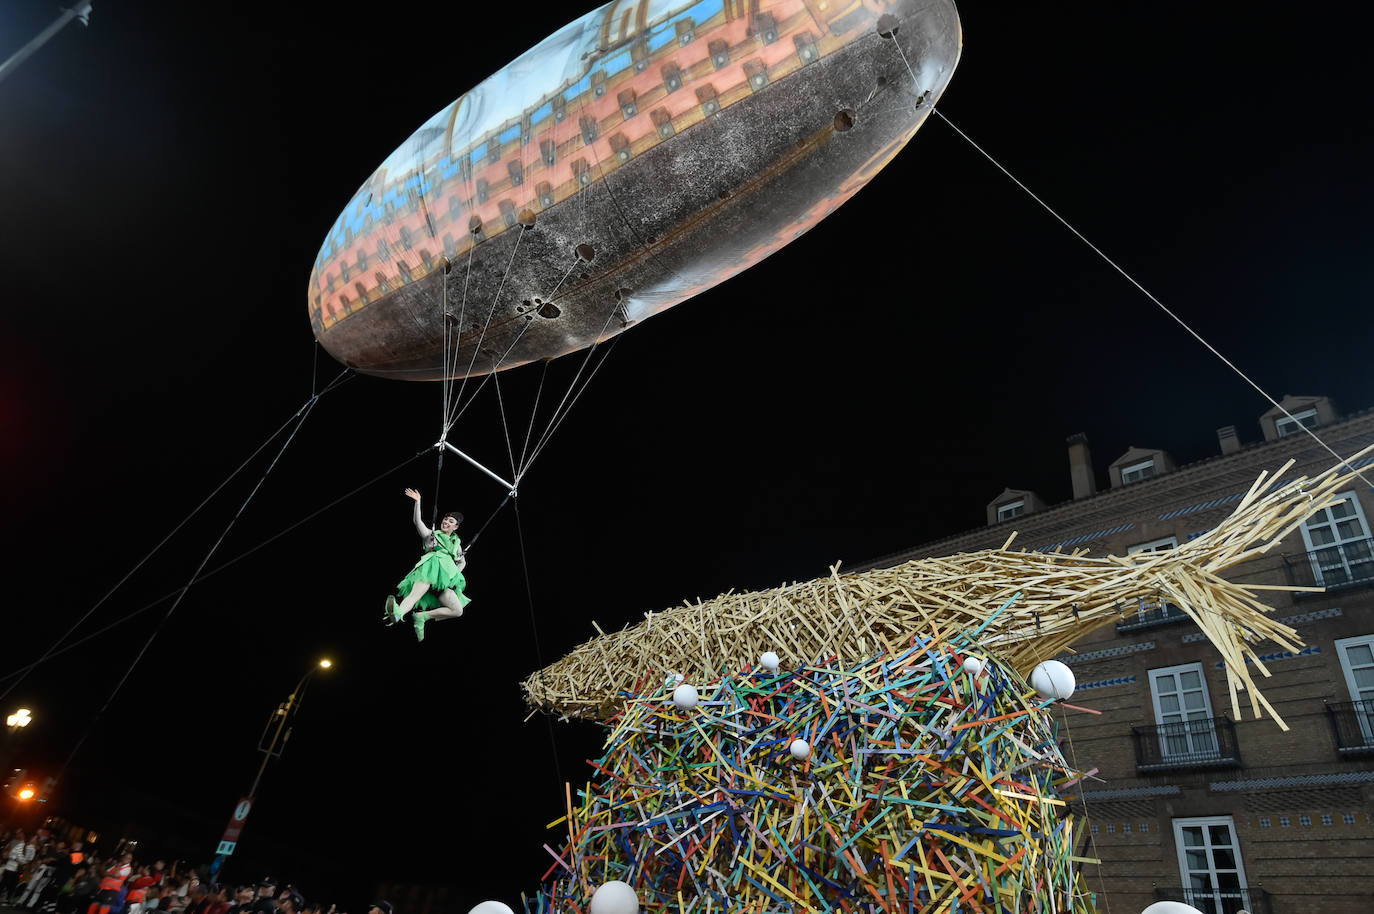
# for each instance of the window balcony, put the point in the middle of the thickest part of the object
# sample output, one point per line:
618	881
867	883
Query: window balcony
1152	614
1353	724
1218	901
1206	743
1344	566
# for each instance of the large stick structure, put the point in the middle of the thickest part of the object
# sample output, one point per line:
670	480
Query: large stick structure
1054	599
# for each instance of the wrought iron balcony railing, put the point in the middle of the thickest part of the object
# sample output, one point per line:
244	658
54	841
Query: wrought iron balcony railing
1353	723
1339	567
1150	614
1255	900
1208	742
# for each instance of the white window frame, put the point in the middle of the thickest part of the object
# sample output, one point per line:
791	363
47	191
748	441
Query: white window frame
1198	897
1139	468
1284	426
1008	511
1159	545
1186	741
1336	543
1364	716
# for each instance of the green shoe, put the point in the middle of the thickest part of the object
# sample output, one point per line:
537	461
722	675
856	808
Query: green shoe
420	619
389	615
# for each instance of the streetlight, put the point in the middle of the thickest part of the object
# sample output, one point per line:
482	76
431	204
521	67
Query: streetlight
19	719
279	724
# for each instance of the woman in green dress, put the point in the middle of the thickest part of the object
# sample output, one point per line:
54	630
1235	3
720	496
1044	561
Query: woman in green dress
434	588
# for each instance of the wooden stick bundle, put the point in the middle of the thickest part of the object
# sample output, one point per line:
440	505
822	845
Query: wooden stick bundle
1027	607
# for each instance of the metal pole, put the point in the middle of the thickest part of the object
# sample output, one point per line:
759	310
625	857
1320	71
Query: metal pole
509	486
81	9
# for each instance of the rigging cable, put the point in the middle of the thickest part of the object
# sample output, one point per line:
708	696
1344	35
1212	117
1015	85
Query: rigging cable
53	648
534	628
1129	278
214	571
304	414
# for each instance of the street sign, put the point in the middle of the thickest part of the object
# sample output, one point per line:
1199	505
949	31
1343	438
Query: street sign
231	831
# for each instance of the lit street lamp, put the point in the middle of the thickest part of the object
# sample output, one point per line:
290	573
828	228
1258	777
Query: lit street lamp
279	725
19	719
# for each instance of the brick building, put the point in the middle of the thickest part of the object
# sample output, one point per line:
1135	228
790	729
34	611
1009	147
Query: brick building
1227	815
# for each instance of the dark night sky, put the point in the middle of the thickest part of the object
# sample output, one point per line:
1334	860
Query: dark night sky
167	175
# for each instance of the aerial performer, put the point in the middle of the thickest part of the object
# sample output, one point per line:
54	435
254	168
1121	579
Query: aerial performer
434	588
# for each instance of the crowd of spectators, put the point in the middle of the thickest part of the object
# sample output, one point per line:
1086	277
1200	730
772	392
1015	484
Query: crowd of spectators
48	875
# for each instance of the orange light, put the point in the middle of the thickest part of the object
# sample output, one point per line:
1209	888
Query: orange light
26	793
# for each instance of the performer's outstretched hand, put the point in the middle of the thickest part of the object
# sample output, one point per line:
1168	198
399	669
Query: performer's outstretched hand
411	493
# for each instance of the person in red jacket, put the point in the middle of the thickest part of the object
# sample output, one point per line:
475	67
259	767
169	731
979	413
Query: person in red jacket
138	889
115	875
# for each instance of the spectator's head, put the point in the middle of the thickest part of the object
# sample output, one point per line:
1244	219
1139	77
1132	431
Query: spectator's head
157	866
267	888
245	894
76	846
380	907
126	857
290	902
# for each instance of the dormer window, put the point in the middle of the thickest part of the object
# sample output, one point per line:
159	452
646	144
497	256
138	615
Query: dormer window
1303	418
1010	510
1159	545
1137	472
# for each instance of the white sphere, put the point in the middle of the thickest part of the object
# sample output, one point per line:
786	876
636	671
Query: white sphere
491	907
1170	907
973	666
685	696
800	749
1053	680
769	661
615	897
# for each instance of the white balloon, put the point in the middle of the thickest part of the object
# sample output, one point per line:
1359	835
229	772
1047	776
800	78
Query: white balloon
800	749
491	907
685	696
973	666
1052	680
615	897
1170	907
769	661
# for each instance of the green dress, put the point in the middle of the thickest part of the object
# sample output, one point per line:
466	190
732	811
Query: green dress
438	567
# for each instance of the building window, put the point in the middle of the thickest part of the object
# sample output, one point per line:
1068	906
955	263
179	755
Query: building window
1304	820
1338	543
1159	545
1111	829
1137	471
1357	663
1144	827
1264	823
1094	829
1209	863
1348	818
1183	712
1126	828
1010	510
1306	418
1283	822
1327	820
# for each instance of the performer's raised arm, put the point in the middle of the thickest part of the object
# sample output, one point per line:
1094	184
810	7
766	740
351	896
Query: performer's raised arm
419	524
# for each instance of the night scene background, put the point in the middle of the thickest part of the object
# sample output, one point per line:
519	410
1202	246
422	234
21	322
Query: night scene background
166	178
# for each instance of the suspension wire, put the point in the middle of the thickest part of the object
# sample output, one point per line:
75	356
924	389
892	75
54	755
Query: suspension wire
534	411
488	376
538	652
548	434
214	571
491	312
52	649
487	523
505	427
186	589
1146	292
